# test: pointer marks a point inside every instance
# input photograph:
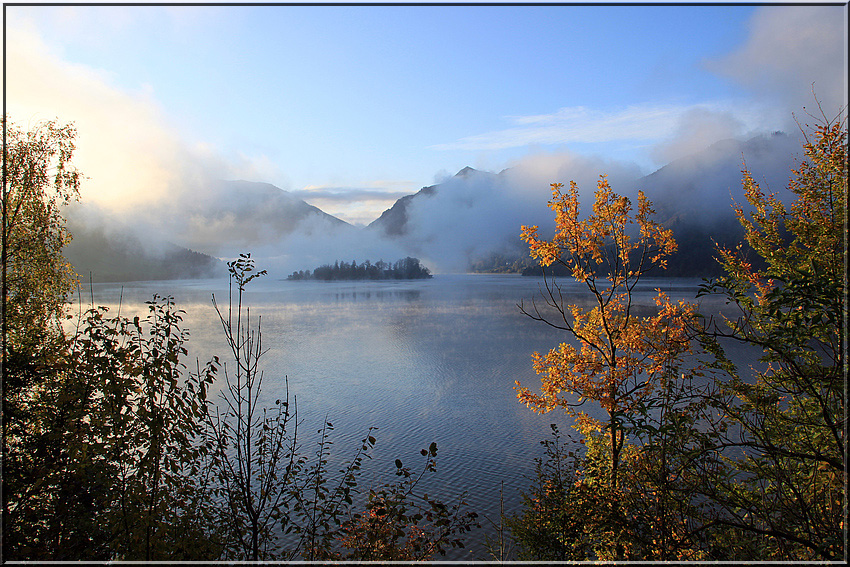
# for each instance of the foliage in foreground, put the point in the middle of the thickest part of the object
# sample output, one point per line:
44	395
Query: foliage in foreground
625	496
733	469
788	490
112	450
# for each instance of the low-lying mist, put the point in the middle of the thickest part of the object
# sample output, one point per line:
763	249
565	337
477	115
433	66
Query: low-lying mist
464	218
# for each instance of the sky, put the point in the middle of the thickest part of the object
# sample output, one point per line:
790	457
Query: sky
351	107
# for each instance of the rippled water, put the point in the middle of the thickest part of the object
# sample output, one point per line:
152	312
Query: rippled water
426	360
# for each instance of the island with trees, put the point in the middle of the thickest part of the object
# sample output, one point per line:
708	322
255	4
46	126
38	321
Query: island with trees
406	269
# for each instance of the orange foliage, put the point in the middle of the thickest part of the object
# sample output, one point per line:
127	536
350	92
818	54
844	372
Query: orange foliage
620	357
615	358
376	536
600	242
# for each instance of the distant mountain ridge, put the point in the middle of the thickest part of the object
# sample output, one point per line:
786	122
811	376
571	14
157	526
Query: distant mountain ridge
241	214
393	221
227	216
692	195
105	256
273	204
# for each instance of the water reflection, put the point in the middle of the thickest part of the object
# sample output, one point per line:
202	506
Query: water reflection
380	295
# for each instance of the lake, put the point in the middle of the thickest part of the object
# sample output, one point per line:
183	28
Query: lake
421	360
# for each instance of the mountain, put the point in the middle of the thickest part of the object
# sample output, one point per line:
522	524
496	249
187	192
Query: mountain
472	220
233	216
694	196
184	236
702	186
393	221
106	256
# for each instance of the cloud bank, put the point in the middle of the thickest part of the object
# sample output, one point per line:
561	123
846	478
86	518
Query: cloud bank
131	157
581	125
791	50
472	215
143	176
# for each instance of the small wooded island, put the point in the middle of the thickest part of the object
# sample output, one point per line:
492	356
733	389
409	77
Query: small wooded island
406	269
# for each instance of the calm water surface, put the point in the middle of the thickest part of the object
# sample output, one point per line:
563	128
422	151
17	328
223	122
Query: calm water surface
427	360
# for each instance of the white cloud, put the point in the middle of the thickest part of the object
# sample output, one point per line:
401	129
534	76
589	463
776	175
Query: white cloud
791	49
580	125
119	146
697	129
125	148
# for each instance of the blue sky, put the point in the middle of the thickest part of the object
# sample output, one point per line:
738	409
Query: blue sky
353	106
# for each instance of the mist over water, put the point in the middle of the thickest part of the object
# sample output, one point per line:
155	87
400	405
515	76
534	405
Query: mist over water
424	360
463	219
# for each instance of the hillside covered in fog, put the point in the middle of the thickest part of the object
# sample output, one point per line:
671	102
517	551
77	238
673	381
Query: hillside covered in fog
470	221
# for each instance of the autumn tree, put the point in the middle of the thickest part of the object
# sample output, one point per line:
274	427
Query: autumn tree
787	445
38	178
743	466
632	366
621	358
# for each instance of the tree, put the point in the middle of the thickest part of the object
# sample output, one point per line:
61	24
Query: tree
628	477
787	446
99	442
38	178
621	358
408	268
255	454
143	423
571	513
